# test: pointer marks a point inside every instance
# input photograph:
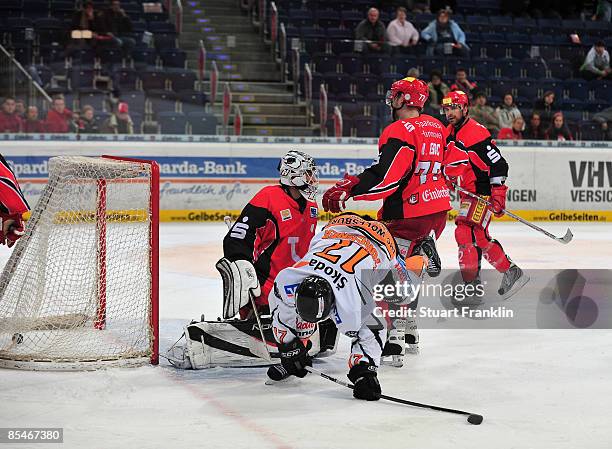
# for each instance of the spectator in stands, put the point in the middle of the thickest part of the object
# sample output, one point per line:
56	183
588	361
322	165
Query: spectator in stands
558	130
546	107
402	36
20	108
603	11
462	83
597	63
513	133
32	124
120	122
59	117
535	130
10	122
413	72
484	114
507	112
372	30
87	18
87	122
445	37
437	90
604	119
120	27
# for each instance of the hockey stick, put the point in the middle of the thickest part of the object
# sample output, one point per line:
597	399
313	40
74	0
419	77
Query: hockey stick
473	418
565	239
267	356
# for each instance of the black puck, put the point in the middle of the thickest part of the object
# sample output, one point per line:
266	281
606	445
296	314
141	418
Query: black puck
475	419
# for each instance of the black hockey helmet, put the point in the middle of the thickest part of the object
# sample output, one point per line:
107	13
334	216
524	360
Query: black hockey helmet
313	299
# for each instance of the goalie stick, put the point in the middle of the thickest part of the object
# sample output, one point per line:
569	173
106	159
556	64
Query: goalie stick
473	418
266	356
565	239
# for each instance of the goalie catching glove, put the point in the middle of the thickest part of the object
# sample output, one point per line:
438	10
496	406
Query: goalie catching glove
239	282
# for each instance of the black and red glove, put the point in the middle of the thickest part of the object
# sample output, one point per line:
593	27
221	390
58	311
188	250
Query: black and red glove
11	229
334	199
498	199
450	182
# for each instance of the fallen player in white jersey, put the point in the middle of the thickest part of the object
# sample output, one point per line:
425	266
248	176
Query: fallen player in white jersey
337	279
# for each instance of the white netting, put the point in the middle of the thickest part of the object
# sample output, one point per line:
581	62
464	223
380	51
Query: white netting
77	290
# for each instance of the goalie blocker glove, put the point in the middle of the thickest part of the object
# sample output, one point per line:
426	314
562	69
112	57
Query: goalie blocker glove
365	381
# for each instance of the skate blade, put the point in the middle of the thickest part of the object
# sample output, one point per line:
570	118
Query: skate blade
516	287
413	349
394	361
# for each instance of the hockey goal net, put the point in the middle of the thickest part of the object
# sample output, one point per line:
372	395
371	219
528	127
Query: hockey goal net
80	290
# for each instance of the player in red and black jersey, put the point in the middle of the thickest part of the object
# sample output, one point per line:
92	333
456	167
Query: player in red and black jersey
485	176
12	206
415	156
272	233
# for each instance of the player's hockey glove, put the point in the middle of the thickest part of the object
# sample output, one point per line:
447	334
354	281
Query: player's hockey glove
498	199
365	381
334	199
11	229
294	357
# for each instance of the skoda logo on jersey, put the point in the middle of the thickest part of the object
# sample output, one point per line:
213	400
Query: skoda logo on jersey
314	213
290	290
335	276
285	214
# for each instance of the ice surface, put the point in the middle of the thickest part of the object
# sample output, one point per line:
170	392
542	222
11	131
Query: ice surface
535	388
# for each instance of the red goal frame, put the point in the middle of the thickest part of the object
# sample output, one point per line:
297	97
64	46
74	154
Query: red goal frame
100	321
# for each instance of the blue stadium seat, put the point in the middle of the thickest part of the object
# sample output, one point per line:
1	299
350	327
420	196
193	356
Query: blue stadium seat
602	89
82	78
534	68
389	78
314	45
338	83
403	63
484	68
174	57
328	18
153	79
500	88
591	131
366	126
202	123
508	69
324	62
172	122
161	101
125	78
339	46
560	69
366	83
347	125
110	55
135	99
181	79
301	17
192	101
578	89
164	41
378	63
573	104
144	57
525	25
351	63
312	32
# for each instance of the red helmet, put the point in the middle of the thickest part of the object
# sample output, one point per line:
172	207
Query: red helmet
414	92
456	97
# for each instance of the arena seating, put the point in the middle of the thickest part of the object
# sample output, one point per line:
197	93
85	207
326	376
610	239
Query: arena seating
523	56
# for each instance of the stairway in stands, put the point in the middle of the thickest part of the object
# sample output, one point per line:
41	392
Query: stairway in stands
266	103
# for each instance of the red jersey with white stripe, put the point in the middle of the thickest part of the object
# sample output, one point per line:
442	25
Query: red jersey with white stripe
12	200
273	232
413	156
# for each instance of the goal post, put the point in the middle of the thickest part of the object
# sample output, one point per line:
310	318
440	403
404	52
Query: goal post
81	288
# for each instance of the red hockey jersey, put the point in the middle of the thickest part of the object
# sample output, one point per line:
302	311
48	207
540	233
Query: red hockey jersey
274	232
12	200
487	165
413	156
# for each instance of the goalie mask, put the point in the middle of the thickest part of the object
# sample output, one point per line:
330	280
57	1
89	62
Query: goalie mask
314	299
299	170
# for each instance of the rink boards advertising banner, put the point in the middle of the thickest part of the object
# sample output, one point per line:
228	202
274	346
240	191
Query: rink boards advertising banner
203	181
